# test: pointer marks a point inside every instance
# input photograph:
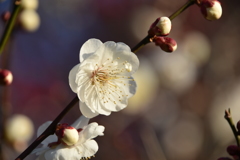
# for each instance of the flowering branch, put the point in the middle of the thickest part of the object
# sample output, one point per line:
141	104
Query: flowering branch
52	128
228	117
149	38
49	131
8	30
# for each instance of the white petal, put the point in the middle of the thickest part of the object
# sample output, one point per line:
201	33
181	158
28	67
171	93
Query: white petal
83	81
80	122
39	151
43	127
89	148
91	131
41	157
131	89
99	130
93	102
120	52
88	48
72	78
62	152
49	139
86	111
89	95
100	108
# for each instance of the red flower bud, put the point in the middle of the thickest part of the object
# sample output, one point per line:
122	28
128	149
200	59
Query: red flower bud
167	44
233	150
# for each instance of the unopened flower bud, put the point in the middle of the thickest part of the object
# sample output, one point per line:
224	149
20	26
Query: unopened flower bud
6	77
67	134
233	150
29	4
30	20
211	9
165	43
161	27
5	16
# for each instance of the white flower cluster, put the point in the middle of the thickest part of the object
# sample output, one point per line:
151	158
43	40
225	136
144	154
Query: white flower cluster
103	82
57	147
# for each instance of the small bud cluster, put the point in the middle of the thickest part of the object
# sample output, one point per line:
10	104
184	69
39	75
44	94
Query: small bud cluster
211	9
29	18
159	30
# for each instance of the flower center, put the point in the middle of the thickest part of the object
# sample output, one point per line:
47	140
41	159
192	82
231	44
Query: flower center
110	78
100	75
111	70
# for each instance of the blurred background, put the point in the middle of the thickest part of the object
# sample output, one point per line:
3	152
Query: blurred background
178	111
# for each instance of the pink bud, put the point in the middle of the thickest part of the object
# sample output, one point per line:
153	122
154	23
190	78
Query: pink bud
211	9
6	77
233	150
167	44
161	27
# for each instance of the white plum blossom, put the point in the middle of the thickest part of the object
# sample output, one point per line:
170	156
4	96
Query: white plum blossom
66	145
103	79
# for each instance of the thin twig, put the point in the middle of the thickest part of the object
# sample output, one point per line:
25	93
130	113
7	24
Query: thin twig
228	117
10	24
180	10
142	43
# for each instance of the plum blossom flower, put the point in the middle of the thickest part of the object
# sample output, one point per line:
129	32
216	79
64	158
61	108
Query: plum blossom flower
66	145
103	79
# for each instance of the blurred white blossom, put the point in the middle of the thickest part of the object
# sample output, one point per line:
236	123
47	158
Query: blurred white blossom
29	20
18	131
103	80
177	72
197	47
184	139
55	148
148	83
29	4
